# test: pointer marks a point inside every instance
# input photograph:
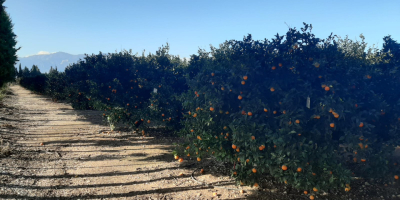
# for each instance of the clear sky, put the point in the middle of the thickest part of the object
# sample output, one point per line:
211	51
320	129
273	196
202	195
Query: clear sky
90	26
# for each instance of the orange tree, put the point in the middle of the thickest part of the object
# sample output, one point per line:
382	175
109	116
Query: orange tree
131	89
298	107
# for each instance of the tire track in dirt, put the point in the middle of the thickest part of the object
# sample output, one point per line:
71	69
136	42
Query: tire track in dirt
80	160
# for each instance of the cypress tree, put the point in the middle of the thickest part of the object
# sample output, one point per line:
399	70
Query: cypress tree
8	51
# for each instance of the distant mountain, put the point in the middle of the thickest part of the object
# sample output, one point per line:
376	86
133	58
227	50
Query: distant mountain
45	61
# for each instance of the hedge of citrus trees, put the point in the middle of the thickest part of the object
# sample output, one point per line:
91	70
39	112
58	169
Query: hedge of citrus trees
311	112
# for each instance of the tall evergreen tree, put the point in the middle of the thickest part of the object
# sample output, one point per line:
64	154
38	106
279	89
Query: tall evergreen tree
8	51
19	71
25	72
35	71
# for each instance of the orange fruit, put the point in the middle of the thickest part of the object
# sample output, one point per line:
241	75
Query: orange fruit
195	115
265	110
284	167
249	113
247	160
234	146
245	77
243	82
396	177
361	124
202	171
272	89
346	189
162	115
363	160
255	184
280	64
148	121
188	154
199	159
299	169
211	109
234	173
212	74
332	125
180	159
253	138
254	170
297	121
273	67
312	197
315	189
327	88
176	157
240	97
305	192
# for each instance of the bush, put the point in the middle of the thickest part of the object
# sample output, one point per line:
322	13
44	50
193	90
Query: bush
247	104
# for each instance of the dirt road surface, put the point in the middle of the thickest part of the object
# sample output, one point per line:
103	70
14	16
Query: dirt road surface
50	151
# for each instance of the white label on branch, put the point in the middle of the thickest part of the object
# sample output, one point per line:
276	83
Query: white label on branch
155	90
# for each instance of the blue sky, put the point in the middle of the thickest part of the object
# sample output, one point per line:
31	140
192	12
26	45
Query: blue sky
90	26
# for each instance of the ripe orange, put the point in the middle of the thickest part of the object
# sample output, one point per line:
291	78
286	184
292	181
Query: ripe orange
253	138
255	184
180	159
305	192
297	121
249	113
327	88
215	194
240	97
361	124
234	146
274	112
148	121
299	169
284	167
346	189
254	170
162	115
396	177
245	77
312	197
315	189
272	89
280	64
332	125
212	74
176	157
198	159
265	110
202	171
273	67
247	160
363	160
211	109
195	115
243	82
234	173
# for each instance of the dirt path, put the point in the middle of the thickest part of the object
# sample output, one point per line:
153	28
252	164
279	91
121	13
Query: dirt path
80	160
